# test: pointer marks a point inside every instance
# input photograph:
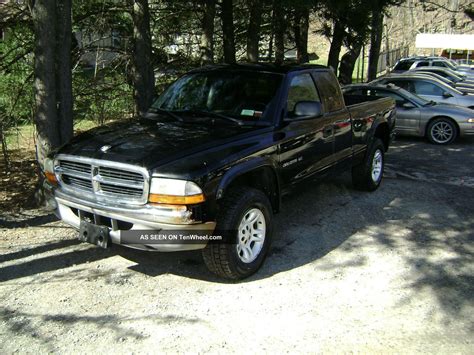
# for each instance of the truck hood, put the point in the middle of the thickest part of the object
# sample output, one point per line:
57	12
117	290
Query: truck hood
150	143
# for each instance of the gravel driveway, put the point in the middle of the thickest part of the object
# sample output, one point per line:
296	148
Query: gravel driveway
390	271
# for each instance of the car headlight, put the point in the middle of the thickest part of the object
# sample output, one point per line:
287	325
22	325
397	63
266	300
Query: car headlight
49	171
175	192
470	120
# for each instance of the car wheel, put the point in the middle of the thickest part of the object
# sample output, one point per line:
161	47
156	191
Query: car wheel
245	223
368	175
442	131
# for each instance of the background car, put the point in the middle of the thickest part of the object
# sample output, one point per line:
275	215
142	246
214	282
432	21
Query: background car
460	80
429	88
440	123
406	64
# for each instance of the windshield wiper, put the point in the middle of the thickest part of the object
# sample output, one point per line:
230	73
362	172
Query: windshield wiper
166	112
213	115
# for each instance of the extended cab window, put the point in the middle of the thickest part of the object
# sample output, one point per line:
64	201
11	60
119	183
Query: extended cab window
301	89
331	92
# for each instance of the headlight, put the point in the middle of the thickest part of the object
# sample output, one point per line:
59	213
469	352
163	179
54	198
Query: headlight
175	192
49	171
470	120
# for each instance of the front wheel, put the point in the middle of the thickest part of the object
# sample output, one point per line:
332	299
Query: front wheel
245	222
442	131
368	175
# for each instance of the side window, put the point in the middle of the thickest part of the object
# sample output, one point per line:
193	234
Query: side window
425	88
301	89
404	65
327	84
423	64
401	84
398	99
439	64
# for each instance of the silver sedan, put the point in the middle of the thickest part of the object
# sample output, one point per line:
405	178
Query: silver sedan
440	123
428	88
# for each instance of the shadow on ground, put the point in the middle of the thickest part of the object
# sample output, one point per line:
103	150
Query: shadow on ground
437	219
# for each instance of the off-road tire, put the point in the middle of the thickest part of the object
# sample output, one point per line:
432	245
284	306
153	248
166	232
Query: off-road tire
221	258
362	177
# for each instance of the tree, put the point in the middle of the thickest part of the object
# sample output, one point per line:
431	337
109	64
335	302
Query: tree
279	28
253	29
301	28
143	75
375	38
207	36
52	72
378	9
63	69
338	34
227	15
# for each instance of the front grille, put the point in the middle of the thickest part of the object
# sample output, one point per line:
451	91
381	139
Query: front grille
102	180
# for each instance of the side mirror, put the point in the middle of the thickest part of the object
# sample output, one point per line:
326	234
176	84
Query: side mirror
408	105
447	95
308	109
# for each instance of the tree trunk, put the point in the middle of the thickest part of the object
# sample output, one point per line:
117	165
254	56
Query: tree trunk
279	30
143	75
207	37
348	63
301	34
336	45
63	70
253	30
228	31
46	119
375	43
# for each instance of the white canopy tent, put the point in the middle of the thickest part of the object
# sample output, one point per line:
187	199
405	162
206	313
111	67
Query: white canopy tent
445	41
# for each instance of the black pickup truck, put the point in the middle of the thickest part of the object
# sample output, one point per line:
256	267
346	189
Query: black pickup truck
216	152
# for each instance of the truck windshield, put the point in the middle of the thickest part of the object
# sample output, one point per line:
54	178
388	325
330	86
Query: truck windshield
245	95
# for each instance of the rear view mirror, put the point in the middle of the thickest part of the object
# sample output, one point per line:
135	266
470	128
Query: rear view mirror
447	95
408	105
308	109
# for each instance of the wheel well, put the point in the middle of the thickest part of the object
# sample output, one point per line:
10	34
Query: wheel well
445	117
383	133
263	179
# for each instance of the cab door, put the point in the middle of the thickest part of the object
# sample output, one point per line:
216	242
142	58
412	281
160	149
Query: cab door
306	144
408	114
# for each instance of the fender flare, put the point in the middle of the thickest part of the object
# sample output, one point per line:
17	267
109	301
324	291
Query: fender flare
245	167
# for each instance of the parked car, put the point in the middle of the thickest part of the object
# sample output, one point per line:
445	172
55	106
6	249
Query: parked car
430	75
429	89
215	153
460	80
406	64
440	123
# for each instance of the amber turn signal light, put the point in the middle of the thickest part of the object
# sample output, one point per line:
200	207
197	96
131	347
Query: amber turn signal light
51	177
176	200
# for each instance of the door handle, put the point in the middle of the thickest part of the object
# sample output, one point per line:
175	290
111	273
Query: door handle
328	132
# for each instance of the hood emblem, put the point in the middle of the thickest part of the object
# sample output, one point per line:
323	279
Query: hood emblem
105	148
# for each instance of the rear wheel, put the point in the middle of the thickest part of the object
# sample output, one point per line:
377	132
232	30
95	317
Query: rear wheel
442	131
368	175
245	222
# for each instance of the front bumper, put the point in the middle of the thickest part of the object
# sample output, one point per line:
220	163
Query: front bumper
146	217
466	129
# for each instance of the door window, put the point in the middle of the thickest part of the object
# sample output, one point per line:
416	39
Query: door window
425	88
398	99
301	89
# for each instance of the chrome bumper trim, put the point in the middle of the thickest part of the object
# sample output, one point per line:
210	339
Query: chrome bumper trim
142	219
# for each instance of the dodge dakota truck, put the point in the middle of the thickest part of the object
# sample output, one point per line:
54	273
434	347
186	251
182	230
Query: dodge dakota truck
215	153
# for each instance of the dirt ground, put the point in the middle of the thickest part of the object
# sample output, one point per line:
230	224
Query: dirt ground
390	271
